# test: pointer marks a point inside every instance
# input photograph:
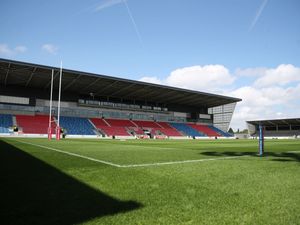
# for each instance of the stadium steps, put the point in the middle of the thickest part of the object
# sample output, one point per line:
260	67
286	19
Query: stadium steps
119	123
207	131
146	124
159	125
106	122
108	126
136	130
171	132
157	128
165	125
115	131
97	122
187	130
95	128
132	121
222	133
168	130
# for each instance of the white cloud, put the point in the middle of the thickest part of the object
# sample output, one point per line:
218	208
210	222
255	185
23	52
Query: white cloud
208	78
250	72
20	49
7	51
50	48
282	75
202	78
265	103
274	93
107	4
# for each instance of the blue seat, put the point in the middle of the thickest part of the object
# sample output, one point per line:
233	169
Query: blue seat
6	121
76	125
224	134
189	131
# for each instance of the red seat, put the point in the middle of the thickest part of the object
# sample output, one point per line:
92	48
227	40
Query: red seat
37	124
171	132
146	124
121	127
115	131
158	127
108	127
120	123
98	122
165	125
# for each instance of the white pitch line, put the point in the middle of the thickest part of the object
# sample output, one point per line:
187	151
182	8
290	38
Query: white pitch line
293	152
179	162
72	154
132	165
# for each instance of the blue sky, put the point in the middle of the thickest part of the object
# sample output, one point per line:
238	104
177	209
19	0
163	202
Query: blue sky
233	47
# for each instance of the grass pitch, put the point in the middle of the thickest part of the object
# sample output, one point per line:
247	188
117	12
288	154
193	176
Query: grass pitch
149	182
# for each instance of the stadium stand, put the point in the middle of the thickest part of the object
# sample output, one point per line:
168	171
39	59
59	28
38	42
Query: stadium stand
118	127
222	133
168	130
142	113
189	131
115	131
158	128
146	124
76	125
119	123
165	125
205	130
37	124
5	122
276	128
99	122
111	127
171	132
281	133
136	130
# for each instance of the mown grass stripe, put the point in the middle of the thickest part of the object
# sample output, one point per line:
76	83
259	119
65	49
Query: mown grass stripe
180	162
130	165
72	154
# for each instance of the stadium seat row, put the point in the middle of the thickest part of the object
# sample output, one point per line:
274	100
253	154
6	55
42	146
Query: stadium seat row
38	124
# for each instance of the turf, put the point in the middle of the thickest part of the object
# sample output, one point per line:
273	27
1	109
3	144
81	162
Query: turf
41	186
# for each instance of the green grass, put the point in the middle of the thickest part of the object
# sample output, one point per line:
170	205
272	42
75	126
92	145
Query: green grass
41	186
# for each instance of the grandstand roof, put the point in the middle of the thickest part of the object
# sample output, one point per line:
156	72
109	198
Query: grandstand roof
274	122
15	73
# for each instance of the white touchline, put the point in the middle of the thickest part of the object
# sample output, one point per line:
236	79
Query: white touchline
72	154
179	162
132	165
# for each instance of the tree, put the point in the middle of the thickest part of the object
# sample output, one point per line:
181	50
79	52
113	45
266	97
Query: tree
230	131
245	131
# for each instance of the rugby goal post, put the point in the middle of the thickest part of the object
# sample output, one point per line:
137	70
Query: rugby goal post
261	140
57	129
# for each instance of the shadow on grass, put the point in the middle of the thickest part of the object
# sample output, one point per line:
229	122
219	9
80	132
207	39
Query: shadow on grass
33	192
276	156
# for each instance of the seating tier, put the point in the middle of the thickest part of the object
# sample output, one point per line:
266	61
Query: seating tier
205	130
76	125
5	122
37	124
189	131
